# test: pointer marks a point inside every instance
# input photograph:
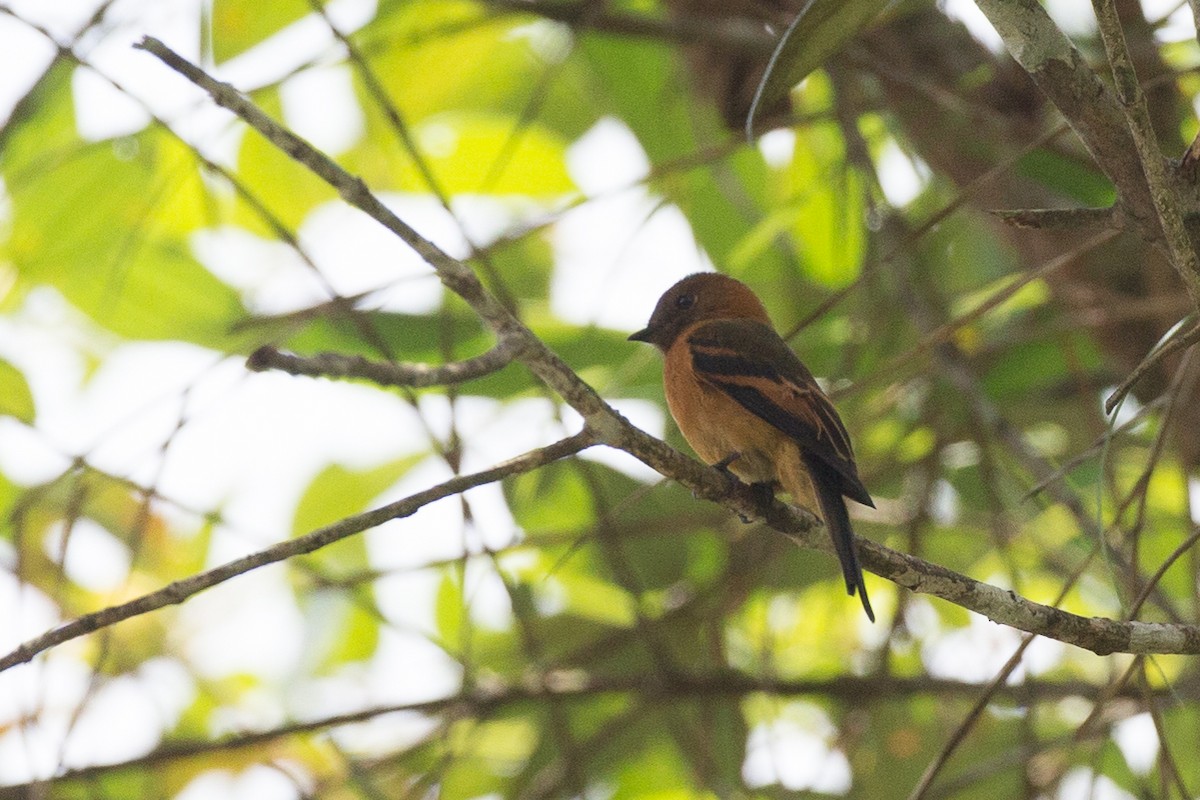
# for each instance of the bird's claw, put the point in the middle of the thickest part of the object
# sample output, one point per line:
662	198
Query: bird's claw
733	480
763	491
723	464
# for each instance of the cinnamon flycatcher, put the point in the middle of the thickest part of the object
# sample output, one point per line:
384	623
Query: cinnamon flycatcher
746	403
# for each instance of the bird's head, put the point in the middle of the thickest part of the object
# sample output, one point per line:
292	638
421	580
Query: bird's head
701	297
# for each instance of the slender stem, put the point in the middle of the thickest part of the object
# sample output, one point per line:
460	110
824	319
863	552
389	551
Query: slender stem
181	590
1133	103
417	376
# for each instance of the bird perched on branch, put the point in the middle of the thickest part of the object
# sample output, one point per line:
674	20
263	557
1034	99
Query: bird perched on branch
745	403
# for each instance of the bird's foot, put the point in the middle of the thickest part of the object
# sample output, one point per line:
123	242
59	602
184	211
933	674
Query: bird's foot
733	480
723	464
764	493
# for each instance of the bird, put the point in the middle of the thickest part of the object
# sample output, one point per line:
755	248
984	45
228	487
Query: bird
747	405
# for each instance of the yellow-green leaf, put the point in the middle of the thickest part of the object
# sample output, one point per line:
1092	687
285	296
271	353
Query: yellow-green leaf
15	398
107	225
238	25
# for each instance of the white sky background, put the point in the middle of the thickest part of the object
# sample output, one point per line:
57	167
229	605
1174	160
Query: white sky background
252	442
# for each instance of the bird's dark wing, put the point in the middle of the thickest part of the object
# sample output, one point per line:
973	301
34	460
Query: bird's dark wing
753	365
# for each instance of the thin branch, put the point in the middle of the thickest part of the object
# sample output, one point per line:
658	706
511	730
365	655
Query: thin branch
608	426
1133	102
1183	385
569	685
956	738
1168	764
455	275
417	376
177	592
1097	446
1100	635
943	333
1177	342
1058	218
1176	554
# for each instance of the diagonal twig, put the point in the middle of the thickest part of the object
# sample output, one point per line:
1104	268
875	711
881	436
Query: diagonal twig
181	590
1175	342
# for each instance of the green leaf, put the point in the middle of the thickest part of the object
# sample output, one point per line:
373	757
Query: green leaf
125	259
238	25
107	223
820	31
555	499
418	337
1025	370
15	398
438	56
476	153
285	188
451	614
339	491
820	208
413	337
488	753
829	206
338	629
1032	295
628	73
1072	177
656	768
963	250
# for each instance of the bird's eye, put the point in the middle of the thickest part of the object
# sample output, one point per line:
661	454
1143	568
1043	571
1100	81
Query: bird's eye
685	301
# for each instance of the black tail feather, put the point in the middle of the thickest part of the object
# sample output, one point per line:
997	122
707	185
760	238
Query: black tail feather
827	483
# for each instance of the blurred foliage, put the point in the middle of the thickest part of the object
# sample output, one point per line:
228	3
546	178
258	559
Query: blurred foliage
628	640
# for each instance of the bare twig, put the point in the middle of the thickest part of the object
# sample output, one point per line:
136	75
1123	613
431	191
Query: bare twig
417	376
557	684
177	592
1178	342
1058	218
1100	635
1162	193
608	426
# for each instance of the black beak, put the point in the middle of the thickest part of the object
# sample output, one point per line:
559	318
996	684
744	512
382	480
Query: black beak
641	336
